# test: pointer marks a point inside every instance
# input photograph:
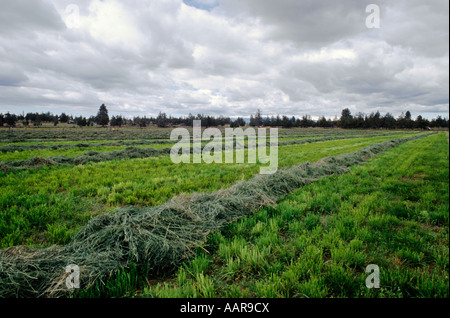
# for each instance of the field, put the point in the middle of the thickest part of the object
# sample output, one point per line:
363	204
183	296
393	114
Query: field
313	240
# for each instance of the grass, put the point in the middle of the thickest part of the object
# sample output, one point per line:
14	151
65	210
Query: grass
21	151
317	242
70	153
66	133
48	205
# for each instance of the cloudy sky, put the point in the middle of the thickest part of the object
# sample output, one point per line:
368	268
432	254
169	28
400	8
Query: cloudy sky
224	57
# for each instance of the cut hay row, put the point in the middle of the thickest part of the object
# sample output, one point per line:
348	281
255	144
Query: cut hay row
132	153
75	134
40	146
89	156
83	135
158	238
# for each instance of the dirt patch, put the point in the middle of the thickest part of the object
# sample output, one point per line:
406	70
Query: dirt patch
417	177
420	175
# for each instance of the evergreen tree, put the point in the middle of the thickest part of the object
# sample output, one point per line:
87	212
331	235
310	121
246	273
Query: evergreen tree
323	122
252	121
422	123
346	120
389	121
258	118
63	118
161	120
117	121
81	121
102	116
286	122
10	119
409	122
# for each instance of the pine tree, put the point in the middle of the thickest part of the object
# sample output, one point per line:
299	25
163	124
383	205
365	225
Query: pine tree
102	116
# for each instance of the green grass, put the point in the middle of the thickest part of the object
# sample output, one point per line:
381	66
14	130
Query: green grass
74	133
70	148
392	211
316	242
69	152
56	143
48	205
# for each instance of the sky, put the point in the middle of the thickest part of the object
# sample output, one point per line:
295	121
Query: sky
225	57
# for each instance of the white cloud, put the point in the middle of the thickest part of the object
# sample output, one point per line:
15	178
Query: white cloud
223	57
109	22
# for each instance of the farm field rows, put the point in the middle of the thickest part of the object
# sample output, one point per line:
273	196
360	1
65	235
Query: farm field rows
27	150
392	211
47	205
314	243
51	135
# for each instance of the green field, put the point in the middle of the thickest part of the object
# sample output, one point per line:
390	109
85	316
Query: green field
391	211
317	241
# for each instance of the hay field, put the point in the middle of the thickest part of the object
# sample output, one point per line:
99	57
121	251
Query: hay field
142	226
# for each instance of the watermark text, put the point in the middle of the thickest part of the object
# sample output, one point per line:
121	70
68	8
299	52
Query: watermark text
220	150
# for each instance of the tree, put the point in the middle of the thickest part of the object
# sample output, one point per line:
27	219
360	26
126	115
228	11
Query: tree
408	122
81	121
63	118
258	118
208	121
437	122
346	120
37	122
389	121
374	120
359	121
10	119
117	121
2	120
91	121
266	121
286	122
161	120
323	122
277	122
252	121
408	115
401	121
234	124
305	121
143	122
421	122
239	122
102	116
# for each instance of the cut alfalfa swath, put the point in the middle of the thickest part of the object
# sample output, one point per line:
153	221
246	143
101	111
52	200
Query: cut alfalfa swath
160	238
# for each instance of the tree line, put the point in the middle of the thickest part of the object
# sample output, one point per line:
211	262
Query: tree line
346	120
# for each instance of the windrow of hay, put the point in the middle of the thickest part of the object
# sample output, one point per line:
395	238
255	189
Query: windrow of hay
117	143
88	156
76	134
38	146
131	133
129	152
158	238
